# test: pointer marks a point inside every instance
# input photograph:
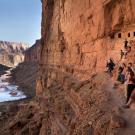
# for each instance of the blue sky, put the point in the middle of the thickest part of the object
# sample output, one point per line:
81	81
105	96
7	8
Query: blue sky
20	20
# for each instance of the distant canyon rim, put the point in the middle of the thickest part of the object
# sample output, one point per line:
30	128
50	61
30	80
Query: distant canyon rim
12	53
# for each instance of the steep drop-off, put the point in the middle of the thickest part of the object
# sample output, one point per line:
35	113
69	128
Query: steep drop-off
12	53
25	73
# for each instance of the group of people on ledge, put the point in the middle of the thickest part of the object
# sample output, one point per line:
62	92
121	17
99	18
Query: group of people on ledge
125	75
127	49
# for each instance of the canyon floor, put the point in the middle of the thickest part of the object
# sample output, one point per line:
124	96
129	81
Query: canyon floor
9	109
97	110
24	75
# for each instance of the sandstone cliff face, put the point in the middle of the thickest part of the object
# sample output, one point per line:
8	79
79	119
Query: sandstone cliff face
24	75
33	53
79	36
77	39
11	53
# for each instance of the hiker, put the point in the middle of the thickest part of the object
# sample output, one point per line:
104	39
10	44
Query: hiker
110	65
125	44
130	65
129	49
121	73
121	54
125	53
130	83
131	100
121	76
123	65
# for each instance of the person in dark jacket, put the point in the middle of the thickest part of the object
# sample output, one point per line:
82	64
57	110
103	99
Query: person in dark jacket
110	66
121	76
125	44
121	54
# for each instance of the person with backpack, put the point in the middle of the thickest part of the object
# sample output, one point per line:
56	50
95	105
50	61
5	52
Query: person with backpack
130	65
131	100
110	66
130	88
130	83
121	76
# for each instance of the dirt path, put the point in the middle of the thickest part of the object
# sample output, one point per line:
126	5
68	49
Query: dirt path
116	96
117	100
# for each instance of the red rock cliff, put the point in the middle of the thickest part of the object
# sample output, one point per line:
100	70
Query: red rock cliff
33	53
79	36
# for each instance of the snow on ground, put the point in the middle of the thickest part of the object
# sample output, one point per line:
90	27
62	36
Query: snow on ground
9	92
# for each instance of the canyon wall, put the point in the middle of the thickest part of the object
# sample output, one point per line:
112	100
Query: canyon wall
74	96
12	53
24	75
79	36
33	53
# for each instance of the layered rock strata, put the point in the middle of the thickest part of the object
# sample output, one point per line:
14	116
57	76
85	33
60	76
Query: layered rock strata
79	36
73	98
84	109
24	75
77	39
12	53
33	53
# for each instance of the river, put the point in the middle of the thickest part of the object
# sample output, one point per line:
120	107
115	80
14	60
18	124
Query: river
9	92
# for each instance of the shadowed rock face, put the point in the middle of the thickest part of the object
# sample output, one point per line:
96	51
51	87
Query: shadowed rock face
12	53
79	36
3	68
33	53
24	75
